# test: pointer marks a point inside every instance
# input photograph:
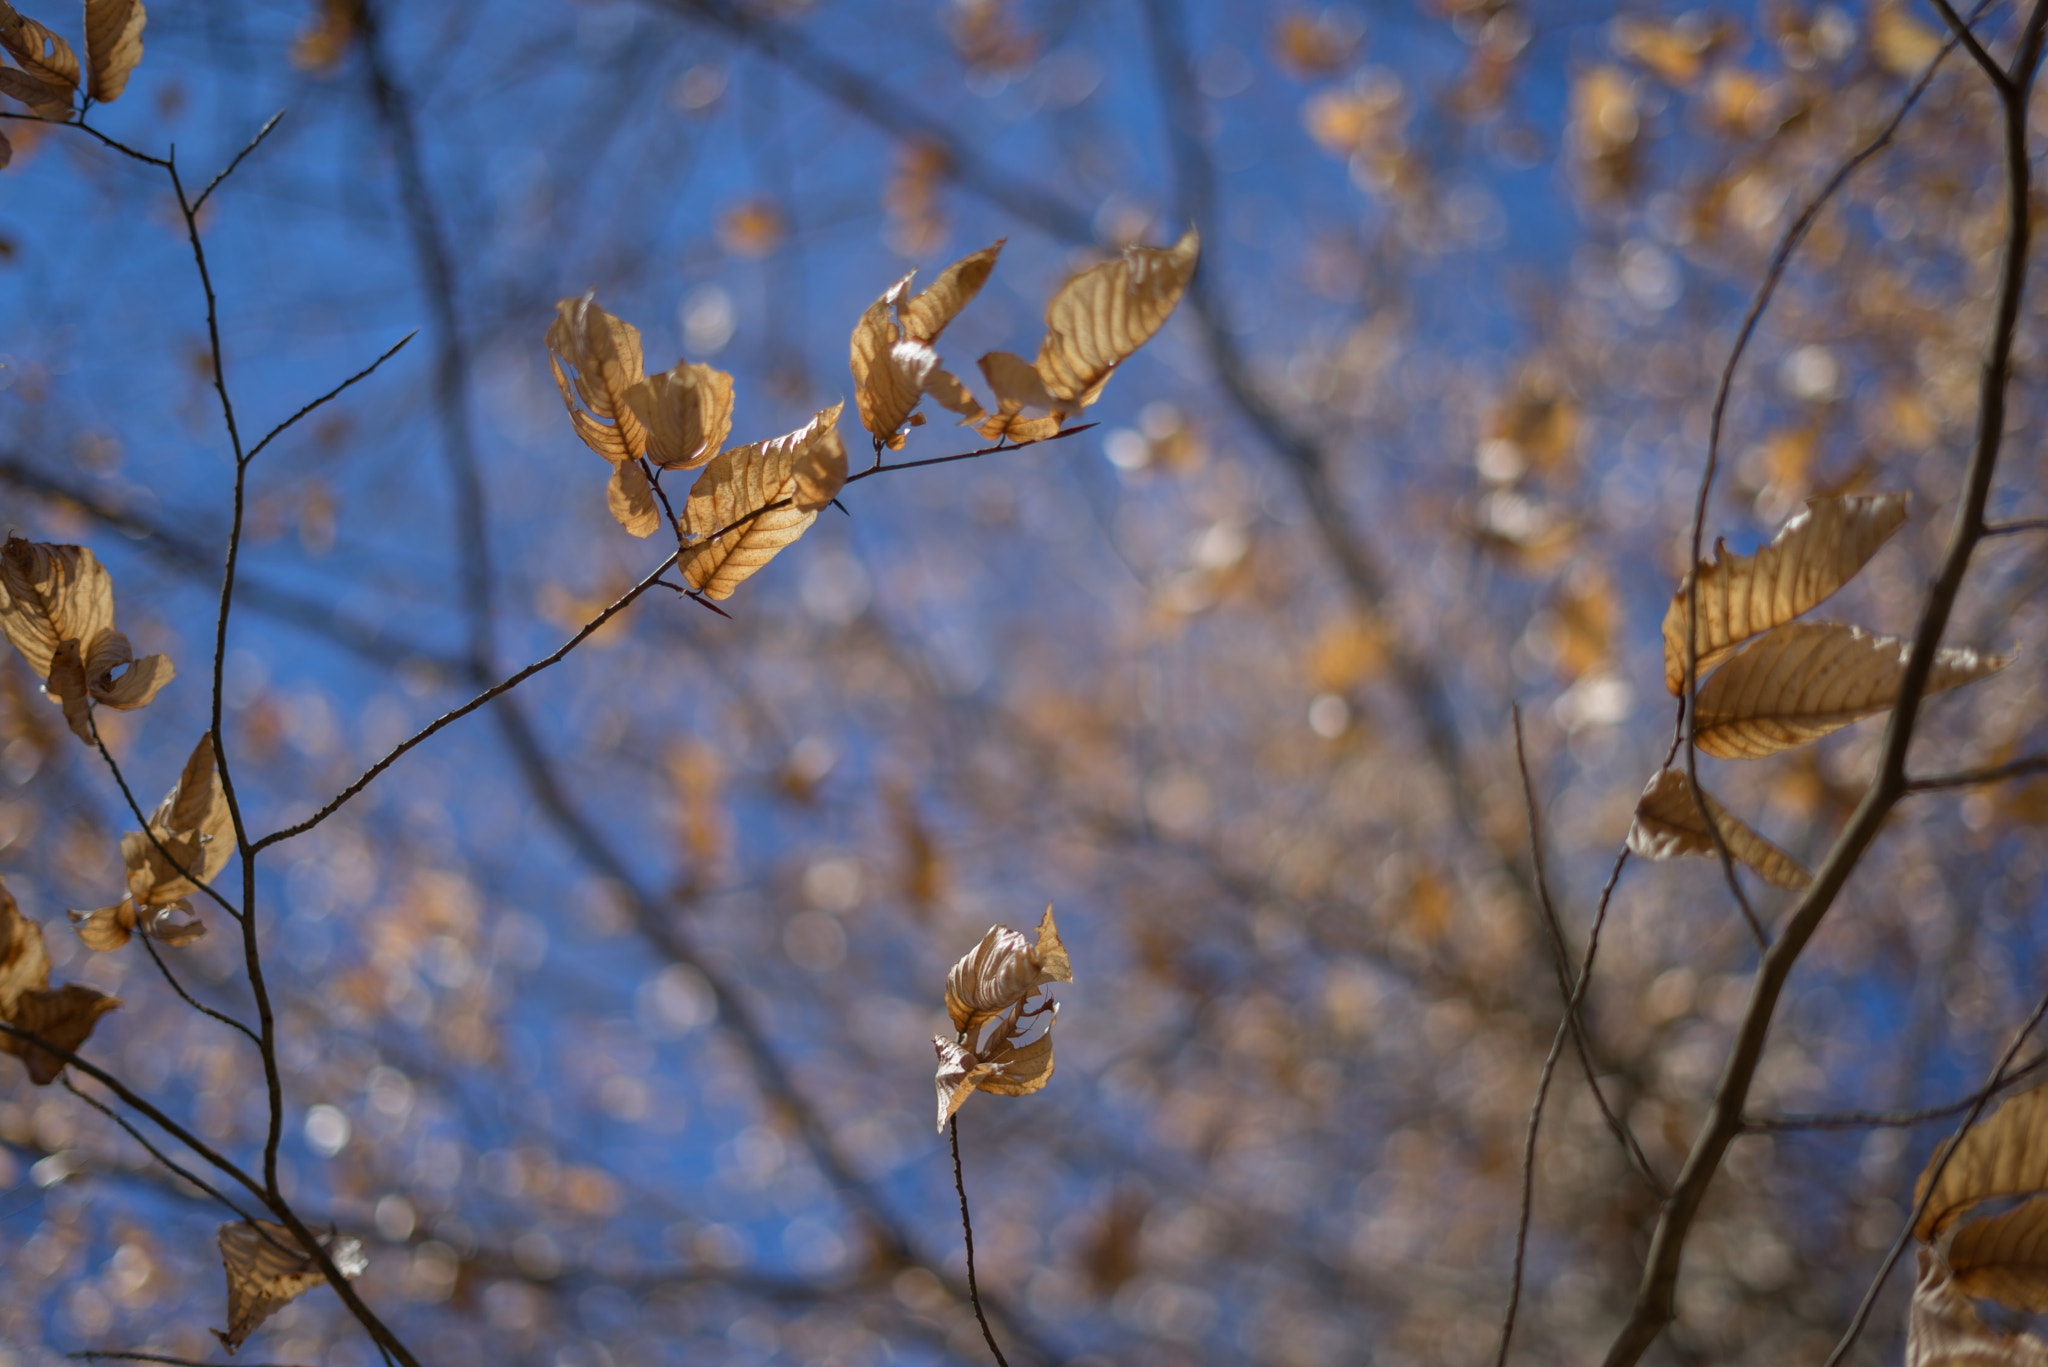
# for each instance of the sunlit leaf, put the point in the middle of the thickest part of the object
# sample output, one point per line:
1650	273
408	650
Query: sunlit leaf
268	1268
1741	596
1107	312
879	395
1668	824
1944	1329
1800	682
1002	971
2004	1154
1021	1070
40	52
2005	1257
51	594
687	411
926	316
113	45
46	98
630	498
604	354
731	517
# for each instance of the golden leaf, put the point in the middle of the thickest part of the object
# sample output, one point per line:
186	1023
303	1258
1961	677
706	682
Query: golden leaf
631	499
24	962
926	316
113	45
687	411
1021	1069
40	52
1668	824
268	1268
1002	971
1944	1329
105	928
51	594
731	514
1800	682
1105	313
2005	1154
45	98
1741	596
819	464
604	353
877	395
196	832
2005	1257
948	392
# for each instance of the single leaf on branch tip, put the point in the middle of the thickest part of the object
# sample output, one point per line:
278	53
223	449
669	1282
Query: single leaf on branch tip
735	528
113	45
1741	596
926	316
960	1073
45	98
268	1268
687	412
630	497
1668	825
1002	971
1107	312
1800	682
40	52
2004	1154
604	352
2005	1257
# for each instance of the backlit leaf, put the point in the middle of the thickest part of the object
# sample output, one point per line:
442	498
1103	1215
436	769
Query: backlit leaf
877	394
1002	971
1105	313
1801	682
268	1268
687	412
2004	1154
40	52
926	316
64	1016
1022	1070
50	594
730	517
47	98
1741	596
113	45
1668	824
630	498
2005	1257
604	354
1944	1329
958	1076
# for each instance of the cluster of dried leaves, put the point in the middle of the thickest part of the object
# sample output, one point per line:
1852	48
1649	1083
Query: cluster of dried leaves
63	1017
987	993
46	76
751	501
1998	1175
1783	683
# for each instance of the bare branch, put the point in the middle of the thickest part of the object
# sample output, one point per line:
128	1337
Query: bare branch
967	1231
1871	1120
1977	778
332	394
229	169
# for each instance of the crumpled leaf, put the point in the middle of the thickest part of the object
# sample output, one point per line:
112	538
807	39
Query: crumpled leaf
687	412
1107	312
40	52
2005	1257
1018	386
1021	1069
2004	1154
65	1017
1668	824
1002	971
108	928
891	354
268	1268
604	354
1741	596
960	1073
193	824
926	316
1801	682
113	45
57	608
1944	1329
45	98
728	544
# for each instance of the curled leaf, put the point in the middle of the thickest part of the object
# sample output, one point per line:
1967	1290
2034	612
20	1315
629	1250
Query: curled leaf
1741	596
1105	313
604	354
105	929
268	1268
1944	1329
190	836
926	316
819	464
1020	1069
2005	1154
113	45
47	99
1002	971
630	497
1018	387
50	594
2005	1257
687	411
1801	682
877	385
745	506
64	1016
40	52
959	1074
1668	824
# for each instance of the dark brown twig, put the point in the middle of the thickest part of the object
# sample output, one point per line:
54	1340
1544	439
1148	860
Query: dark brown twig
1977	778
967	1231
1872	1120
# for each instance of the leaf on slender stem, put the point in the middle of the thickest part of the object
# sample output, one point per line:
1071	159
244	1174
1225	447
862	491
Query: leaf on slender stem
687	411
1668	825
1018	387
1107	312
40	52
1002	971
604	353
630	497
727	545
268	1268
1800	682
1741	596
64	1016
891	355
113	45
57	608
2005	1257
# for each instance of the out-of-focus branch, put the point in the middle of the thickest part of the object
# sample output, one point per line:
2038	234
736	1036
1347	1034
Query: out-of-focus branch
1978	778
1872	1120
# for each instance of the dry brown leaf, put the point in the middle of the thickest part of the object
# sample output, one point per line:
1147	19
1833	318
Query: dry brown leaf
1018	387
819	464
630	497
24	962
2005	1257
1002	971
268	1268
1800	682
947	391
105	929
1021	1069
1741	596
51	594
687	411
64	1016
1944	1329
1668	824
877	394
926	316
1105	313
6	152
194	835
604	354
735	528
960	1073
113	45
40	52
45	98
2005	1154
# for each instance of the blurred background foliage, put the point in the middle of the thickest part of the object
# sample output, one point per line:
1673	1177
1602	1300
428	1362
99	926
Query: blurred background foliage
607	1014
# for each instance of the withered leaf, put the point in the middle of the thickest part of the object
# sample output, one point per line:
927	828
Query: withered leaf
2005	1257
604	353
24	961
630	497
1668	824
194	835
268	1268
1021	1069
2005	1154
1002	971
687	411
1741	596
113	45
64	1016
40	52
878	393
958	1076
108	928
6	152
1107	312
1944	1329
46	98
1801	682
947	391
926	316
730	514
50	594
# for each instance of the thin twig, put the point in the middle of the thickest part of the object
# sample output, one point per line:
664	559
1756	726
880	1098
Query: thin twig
149	944
365	373
154	1152
107	1355
967	1230
2032	524
229	169
1977	778
1961	33
1872	1120
85	127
